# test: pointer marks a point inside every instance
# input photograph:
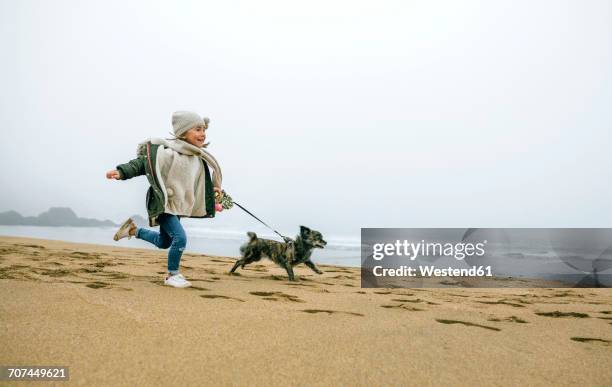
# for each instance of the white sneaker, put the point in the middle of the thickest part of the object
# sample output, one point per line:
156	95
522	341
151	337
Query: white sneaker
177	281
124	230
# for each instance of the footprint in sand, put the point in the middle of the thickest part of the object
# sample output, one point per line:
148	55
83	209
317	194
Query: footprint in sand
565	294
562	314
89	270
32	246
274	277
277	296
98	285
6	273
314	311
112	275
591	340
466	323
197	288
338	271
53	273
502	302
220	296
508	319
402	306
416	301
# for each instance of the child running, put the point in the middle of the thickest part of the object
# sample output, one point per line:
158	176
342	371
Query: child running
181	186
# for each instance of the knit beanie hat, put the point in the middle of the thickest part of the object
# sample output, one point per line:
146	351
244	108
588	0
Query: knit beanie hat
182	121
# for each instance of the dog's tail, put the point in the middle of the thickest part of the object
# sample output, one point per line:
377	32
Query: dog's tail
252	237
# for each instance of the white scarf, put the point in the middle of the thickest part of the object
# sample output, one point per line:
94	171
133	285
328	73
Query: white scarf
181	177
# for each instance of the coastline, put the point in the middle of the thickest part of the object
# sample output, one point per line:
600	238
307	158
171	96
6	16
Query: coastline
199	241
104	312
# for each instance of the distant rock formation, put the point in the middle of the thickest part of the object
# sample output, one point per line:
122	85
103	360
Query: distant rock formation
54	217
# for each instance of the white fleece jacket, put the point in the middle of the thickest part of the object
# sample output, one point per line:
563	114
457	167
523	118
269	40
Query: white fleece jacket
181	175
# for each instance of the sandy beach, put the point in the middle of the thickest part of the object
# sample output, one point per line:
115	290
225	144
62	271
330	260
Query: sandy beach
104	312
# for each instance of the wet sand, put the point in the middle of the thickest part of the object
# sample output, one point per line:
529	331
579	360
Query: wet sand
104	312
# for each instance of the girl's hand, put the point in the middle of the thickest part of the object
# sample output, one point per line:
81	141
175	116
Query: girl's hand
114	174
218	206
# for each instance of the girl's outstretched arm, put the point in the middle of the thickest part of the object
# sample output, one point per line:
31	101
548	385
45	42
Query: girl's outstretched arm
132	168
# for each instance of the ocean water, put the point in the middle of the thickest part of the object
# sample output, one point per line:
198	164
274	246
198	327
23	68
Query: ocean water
224	242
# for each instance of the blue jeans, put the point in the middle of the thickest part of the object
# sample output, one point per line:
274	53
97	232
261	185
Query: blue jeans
171	235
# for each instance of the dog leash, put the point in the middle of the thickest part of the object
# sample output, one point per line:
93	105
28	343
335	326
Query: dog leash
262	222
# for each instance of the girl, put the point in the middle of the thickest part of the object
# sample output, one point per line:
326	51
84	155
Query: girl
181	186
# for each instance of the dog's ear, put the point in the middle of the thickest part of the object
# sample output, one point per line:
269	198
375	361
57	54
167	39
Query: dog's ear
304	230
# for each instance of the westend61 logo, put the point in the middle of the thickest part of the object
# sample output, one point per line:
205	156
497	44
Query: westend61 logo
412	250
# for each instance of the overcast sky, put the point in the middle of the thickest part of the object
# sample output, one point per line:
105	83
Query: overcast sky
333	114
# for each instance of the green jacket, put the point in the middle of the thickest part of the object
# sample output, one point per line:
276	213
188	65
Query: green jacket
145	164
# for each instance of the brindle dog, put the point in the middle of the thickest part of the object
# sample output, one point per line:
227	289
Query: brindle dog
286	255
